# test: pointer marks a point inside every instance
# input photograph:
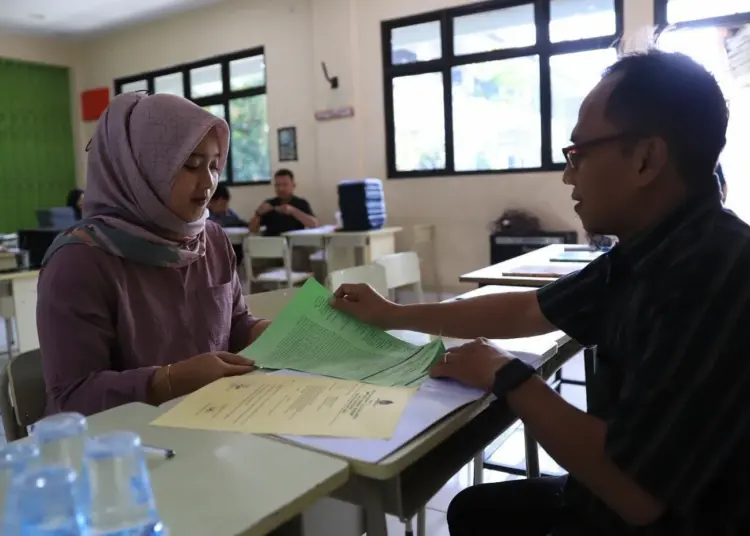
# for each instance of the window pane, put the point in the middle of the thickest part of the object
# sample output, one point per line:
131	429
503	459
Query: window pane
572	76
169	83
139	85
419	122
250	152
247	73
205	81
219	111
420	42
581	19
494	30
496	117
685	10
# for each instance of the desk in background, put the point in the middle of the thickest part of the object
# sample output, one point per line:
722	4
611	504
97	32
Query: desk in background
222	483
18	296
533	269
344	249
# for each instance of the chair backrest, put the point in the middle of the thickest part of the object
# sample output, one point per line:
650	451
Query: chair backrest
268	305
23	396
372	274
401	269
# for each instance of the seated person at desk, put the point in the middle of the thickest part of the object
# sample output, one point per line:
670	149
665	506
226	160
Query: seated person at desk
140	301
285	212
219	212
663	448
75	201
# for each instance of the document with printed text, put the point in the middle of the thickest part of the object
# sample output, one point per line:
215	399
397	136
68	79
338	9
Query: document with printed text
292	404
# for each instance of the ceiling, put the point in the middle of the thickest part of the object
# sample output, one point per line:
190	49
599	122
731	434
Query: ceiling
85	17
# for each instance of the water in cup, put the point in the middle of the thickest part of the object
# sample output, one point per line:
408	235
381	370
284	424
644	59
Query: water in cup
45	501
122	502
61	438
15	458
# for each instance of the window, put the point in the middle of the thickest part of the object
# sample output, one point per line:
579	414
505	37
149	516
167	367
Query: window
717	35
232	87
492	87
678	11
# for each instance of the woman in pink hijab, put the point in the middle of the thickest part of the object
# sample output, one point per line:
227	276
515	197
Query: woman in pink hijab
140	301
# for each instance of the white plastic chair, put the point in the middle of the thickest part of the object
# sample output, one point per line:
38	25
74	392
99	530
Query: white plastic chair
423	242
372	274
269	304
271	247
402	270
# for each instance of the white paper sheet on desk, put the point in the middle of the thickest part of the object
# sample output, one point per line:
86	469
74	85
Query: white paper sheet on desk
434	400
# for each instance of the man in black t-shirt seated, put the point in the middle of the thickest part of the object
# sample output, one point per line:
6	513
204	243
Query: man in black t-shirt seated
285	212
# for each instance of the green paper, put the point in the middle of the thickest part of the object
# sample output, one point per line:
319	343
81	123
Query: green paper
310	336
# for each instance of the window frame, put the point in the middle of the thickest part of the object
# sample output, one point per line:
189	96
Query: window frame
661	23
223	98
543	48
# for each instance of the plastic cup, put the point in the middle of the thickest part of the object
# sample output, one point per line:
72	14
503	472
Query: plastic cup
122	502
45	501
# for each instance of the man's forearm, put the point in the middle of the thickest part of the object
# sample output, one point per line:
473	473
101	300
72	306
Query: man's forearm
305	219
576	441
496	316
255	224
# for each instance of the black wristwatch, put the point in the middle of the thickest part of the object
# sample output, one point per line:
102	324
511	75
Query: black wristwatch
511	376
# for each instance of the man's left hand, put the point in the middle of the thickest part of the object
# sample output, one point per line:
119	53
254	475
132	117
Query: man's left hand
473	364
286	209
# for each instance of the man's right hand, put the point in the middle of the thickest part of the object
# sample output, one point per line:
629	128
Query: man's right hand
264	208
363	303
186	376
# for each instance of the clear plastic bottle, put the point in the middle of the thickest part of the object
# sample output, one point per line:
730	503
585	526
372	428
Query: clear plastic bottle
44	501
122	501
15	458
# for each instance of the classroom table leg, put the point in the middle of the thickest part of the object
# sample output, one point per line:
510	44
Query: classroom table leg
375	523
532	455
478	468
589	364
422	522
9	336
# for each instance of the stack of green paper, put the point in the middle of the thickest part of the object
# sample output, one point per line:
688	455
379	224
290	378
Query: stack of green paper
310	336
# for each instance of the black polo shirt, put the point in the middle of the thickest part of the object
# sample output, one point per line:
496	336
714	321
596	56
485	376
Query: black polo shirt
669	313
277	223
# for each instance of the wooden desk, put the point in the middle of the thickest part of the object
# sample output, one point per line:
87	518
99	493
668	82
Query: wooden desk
508	273
344	249
18	296
225	484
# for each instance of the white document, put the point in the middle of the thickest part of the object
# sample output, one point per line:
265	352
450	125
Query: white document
434	400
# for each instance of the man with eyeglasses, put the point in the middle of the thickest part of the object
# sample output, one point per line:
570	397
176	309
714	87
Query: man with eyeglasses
664	448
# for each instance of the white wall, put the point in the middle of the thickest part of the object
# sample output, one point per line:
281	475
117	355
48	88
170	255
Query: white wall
298	35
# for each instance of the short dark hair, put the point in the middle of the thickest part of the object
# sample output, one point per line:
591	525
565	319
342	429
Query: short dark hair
221	193
672	96
284	172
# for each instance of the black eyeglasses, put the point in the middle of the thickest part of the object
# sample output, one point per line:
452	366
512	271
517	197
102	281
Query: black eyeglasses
573	153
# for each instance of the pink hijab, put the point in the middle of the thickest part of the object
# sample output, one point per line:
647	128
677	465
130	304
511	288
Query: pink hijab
140	144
